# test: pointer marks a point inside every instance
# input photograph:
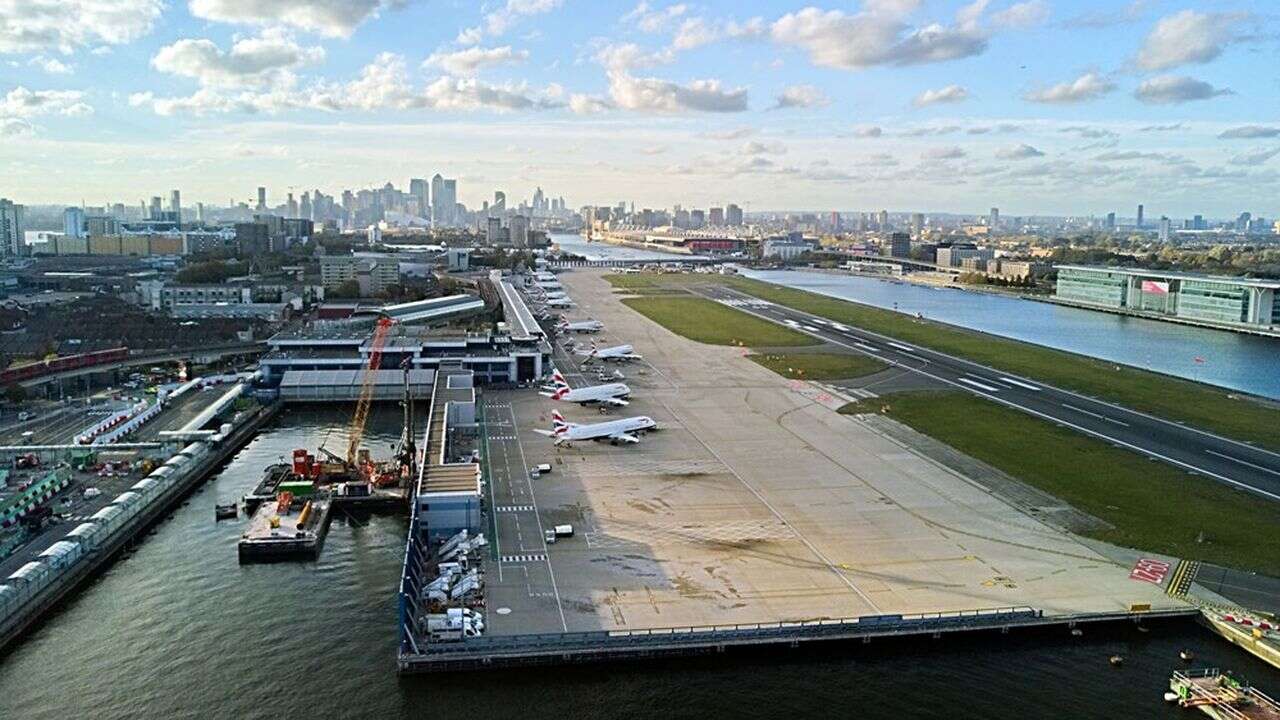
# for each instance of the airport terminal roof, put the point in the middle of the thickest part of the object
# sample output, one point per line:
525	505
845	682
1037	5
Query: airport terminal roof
434	309
452	478
339	378
523	326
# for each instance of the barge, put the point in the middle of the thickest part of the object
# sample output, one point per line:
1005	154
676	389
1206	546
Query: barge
291	528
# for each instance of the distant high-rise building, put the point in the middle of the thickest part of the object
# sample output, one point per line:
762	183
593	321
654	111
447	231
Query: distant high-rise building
11	238
1165	227
73	222
539	202
499	205
304	207
1198	223
419	189
290	206
1242	222
493	231
733	215
262	199
199	212
1111	221
518	231
156	211
917	222
716	218
993	219
175	204
444	200
696	219
899	245
117	211
1139	216
884	220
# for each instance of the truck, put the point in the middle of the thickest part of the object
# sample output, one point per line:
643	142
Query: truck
540	469
449	627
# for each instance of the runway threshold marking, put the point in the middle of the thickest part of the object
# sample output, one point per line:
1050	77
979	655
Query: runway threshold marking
980	386
1018	383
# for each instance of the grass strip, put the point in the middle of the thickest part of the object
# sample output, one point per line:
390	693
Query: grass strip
713	323
1220	411
1151	505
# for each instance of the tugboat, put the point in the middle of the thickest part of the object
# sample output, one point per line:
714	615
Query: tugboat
229	511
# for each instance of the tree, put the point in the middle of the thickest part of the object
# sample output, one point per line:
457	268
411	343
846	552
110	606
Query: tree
15	394
348	290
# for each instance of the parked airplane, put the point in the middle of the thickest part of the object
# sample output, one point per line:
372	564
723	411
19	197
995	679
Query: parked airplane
548	284
555	295
608	395
623	430
617	353
581	326
561	302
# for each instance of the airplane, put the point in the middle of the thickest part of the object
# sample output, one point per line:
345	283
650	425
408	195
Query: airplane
610	395
555	295
544	275
562	302
623	430
582	326
617	353
548	284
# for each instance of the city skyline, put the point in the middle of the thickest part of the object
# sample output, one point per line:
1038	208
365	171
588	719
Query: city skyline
1039	107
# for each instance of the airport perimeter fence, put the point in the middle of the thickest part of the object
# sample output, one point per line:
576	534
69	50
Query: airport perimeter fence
410	593
67	556
704	635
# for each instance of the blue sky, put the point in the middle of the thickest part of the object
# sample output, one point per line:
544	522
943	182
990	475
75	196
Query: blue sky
1039	106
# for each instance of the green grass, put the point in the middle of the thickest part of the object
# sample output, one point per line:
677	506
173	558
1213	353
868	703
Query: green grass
710	322
819	366
1171	398
1153	506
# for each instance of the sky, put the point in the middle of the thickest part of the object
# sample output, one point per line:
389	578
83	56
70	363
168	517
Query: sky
1062	107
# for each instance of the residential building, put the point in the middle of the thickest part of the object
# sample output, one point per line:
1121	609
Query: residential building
374	275
954	255
716	218
73	224
898	245
11	239
1213	299
733	215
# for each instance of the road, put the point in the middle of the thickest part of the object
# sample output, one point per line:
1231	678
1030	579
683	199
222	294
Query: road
1233	463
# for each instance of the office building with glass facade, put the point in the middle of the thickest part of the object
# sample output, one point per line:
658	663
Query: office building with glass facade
1210	299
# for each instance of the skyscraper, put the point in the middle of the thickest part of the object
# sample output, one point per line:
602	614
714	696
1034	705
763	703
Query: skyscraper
1165	226
519	231
290	207
716	217
884	219
11	239
73	222
450	201
733	216
1111	221
499	205
262	199
917	222
199	212
1139	216
175	205
156	211
419	189
993	220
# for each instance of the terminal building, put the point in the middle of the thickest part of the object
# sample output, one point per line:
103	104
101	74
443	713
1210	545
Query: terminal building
512	354
1245	303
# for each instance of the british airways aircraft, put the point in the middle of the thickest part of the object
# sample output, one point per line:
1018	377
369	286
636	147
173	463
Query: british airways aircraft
624	430
608	395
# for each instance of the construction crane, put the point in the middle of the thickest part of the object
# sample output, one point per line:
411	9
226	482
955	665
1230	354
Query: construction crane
367	382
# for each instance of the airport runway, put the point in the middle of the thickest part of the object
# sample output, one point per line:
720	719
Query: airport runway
1234	463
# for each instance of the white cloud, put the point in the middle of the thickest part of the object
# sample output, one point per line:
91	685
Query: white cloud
1018	152
749	29
694	33
651	20
23	103
65	25
731	133
943	153
500	21
948	94
1245	132
758	148
1188	37
655	95
588	104
52	66
801	96
1022	15
332	18
868	131
629	56
1168	89
869	38
469	36
251	62
1256	157
1089	86
13	127
474	59
383	84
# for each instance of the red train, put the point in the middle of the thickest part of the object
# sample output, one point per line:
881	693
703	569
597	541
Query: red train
56	365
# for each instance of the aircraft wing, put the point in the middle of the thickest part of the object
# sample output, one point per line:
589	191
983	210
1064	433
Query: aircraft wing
624	437
540	431
614	402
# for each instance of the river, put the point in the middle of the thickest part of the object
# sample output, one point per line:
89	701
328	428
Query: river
1246	363
178	629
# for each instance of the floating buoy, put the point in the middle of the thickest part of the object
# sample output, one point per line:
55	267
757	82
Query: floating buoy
1186	655
1116	660
1171	697
1076	632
